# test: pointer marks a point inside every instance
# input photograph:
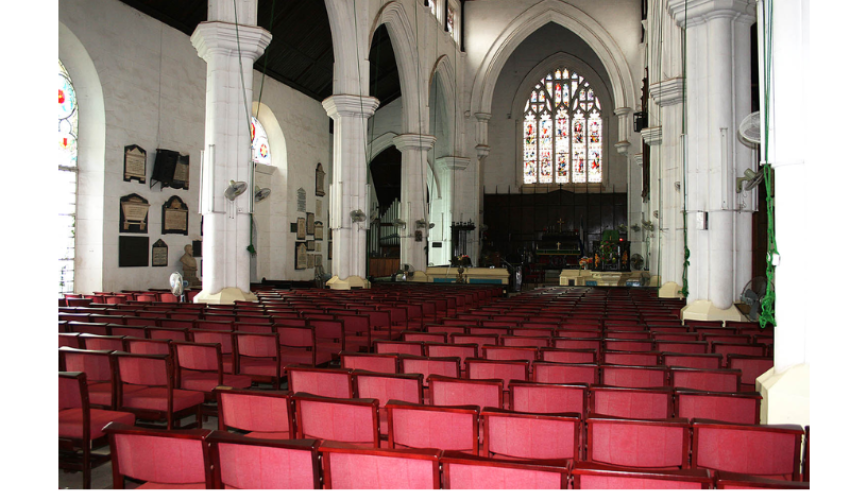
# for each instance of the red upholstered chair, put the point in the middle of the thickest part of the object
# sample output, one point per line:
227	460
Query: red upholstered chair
147	346
628	335
593	476
263	414
444	367
683	336
347	466
80	426
447	329
468	472
253	327
492	369
70	340
732	407
479	340
706	380
163	333
565	373
140	321
578	343
502	353
769	451
628	345
397	347
533	397
330	336
732	481
516	341
327	382
385	387
209	324
439	337
136	331
289	322
381	363
145	387
160	459
528	331
631	358
199	368
655	444
700	347
299	345
519	435
703	361
95	342
462	351
627	402
568	355
727	349
633	376
357	328
459	392
184	324
346	420
442	427
224	339
100	374
751	368
257	355
286	464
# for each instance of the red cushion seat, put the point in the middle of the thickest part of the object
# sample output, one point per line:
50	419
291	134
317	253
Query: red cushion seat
156	398
71	422
207	381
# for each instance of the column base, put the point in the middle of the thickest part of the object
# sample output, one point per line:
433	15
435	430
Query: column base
347	284
704	310
785	395
225	296
670	290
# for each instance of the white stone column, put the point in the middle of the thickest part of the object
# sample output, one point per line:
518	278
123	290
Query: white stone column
653	138
414	154
230	74
716	86
482	151
624	128
669	95
348	190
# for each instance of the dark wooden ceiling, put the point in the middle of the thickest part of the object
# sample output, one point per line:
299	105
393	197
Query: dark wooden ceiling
301	51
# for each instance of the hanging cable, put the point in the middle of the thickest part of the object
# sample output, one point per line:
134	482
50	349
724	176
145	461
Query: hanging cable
661	155
767	310
686	264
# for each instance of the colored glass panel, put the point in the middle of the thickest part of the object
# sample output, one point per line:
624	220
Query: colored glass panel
530	150
68	117
260	143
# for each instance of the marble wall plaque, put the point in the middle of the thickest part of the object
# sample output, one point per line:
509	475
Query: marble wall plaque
159	254
135	161
134	214
302	200
300	256
311	223
311	246
320	180
133	251
319	231
302	228
175	216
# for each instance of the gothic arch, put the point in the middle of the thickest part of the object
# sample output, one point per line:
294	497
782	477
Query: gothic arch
571	18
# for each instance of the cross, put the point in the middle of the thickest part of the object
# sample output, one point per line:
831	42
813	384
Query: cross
559	221
559	245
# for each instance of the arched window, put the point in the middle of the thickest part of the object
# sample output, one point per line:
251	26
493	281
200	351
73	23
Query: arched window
562	131
68	127
262	151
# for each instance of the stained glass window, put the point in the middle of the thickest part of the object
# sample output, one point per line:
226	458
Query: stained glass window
568	148
260	144
67	195
451	21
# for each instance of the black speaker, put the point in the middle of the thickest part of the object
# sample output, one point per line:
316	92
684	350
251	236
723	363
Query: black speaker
197	246
163	167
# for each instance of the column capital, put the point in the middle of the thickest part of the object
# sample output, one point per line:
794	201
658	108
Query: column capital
414	142
693	12
216	37
350	106
639	160
651	136
449	163
482	150
668	92
622	111
483	117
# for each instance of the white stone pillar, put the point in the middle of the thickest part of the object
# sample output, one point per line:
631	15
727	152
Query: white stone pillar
624	128
348	191
652	136
669	95
715	96
482	151
414	154
230	74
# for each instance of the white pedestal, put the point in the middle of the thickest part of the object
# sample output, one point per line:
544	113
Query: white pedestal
785	396
225	296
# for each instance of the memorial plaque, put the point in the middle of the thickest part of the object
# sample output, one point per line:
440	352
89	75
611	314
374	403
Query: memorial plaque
318	246
159	254
180	180
302	229
318	206
319	231
175	216
311	261
311	246
134	215
300	256
302	200
311	223
133	251
320	180
135	161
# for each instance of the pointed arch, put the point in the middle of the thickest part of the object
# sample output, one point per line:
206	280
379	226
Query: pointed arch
571	18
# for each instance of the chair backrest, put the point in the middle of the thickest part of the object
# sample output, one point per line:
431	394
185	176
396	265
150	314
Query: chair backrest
73	393
439	337
225	339
96	342
70	340
395	347
445	367
527	331
627	402
147	346
381	363
347	466
441	427
633	376
578	343
638	443
327	382
198	357
565	373
129	331
593	476
286	464
568	355
631	358
533	397
502	353
162	333
504	370
518	435
168	457
751	368
97	365
462	351
732	407
479	340
770	451
700	347
345	420
462	471
459	392
706	380
254	411
143	369
385	387
705	361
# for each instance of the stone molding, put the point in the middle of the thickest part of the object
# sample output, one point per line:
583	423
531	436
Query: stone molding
350	106
651	135
448	163
414	142
690	13
215	37
668	92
